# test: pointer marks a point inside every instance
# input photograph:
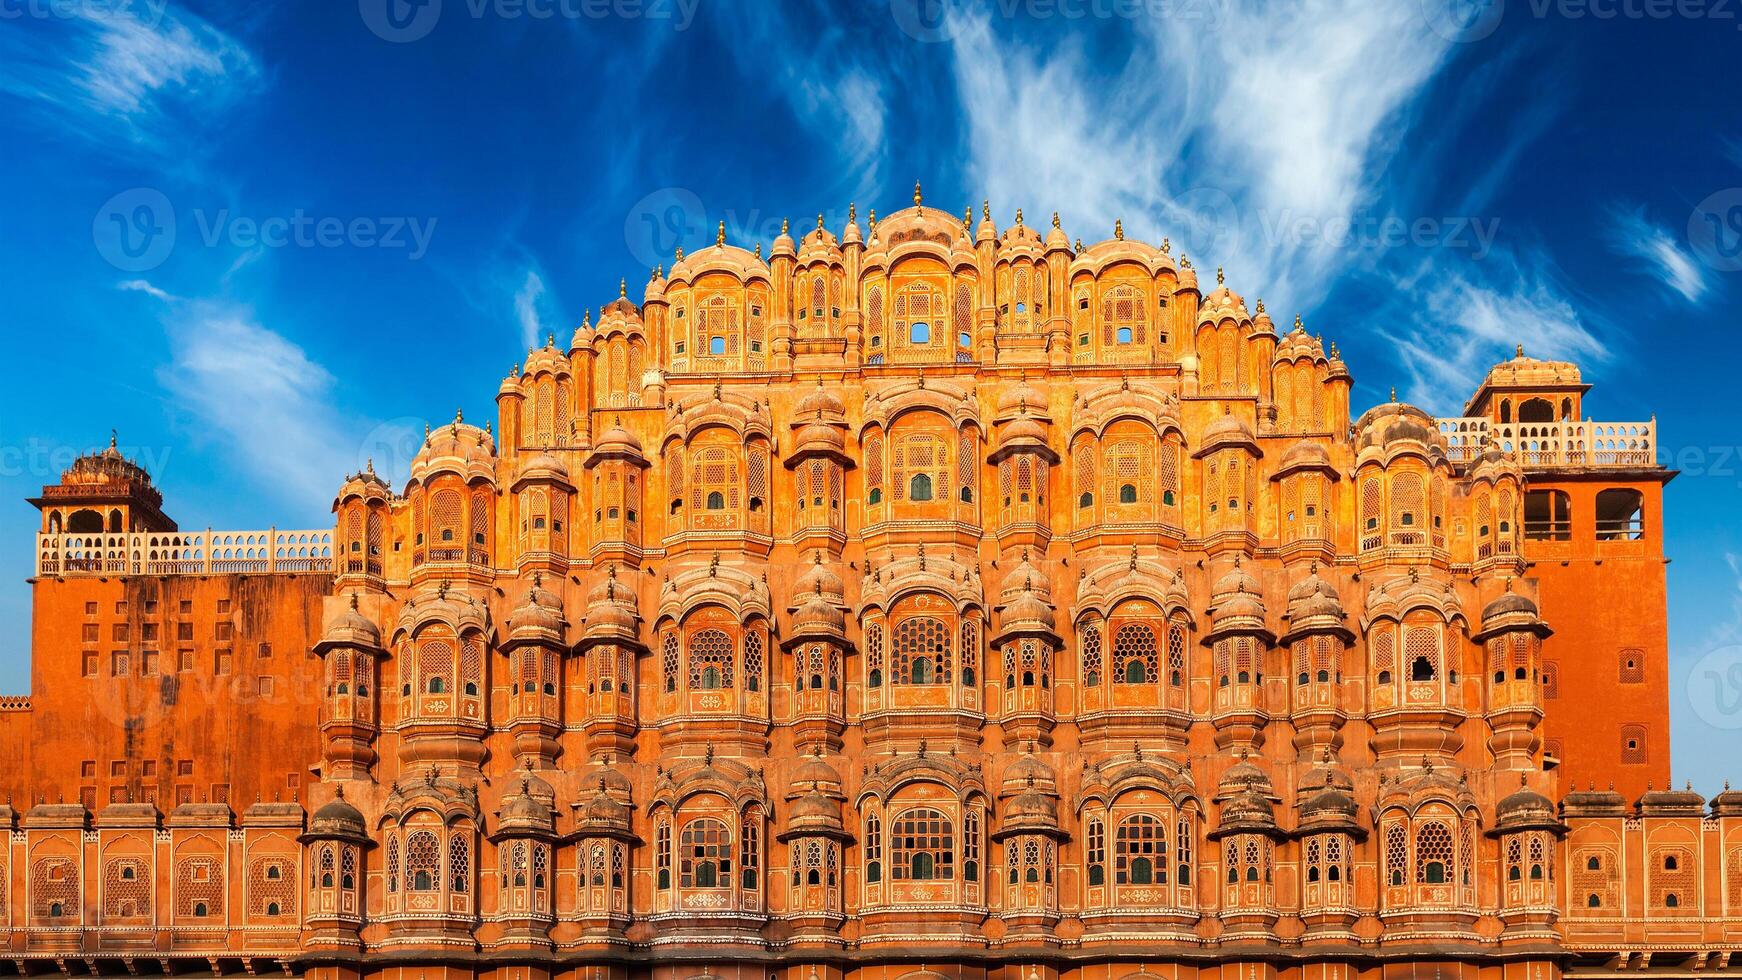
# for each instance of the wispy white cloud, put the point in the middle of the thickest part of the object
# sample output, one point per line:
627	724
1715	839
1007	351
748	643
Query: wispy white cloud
819	72
144	286
1632	233
1214	135
156	80
256	394
527	301
1447	324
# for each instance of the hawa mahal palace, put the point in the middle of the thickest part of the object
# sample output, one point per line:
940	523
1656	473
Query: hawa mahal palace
924	600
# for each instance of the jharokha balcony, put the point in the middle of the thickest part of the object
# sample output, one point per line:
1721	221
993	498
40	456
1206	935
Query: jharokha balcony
184	553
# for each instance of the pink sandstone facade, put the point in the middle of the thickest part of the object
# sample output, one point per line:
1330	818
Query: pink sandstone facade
924	600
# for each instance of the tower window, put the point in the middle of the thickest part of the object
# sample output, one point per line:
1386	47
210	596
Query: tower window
716	345
920	487
920	332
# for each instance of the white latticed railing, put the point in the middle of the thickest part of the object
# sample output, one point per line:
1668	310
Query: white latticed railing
1555	443
185	553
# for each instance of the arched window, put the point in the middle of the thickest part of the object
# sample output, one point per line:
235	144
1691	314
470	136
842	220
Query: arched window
922	845
1433	853
920	488
1140	851
873	849
422	860
710	660
1134	655
920	332
705	855
1128	493
922	651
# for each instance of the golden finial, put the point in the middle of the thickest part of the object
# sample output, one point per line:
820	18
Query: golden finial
459	416
1079	244
1055	219
1119	229
968	217
1334	354
1394	394
679	254
918	198
550	340
720	236
622	288
1519	352
819	221
852	211
1166	246
1221	280
986	210
1261	304
759	250
1297	325
785	226
1019	217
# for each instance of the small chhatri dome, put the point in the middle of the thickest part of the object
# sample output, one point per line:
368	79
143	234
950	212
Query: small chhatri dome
619	439
351	629
338	818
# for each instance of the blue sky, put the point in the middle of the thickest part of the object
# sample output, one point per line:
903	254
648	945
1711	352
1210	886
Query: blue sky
377	207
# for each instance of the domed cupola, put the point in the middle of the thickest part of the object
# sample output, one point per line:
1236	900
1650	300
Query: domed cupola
1314	605
816	616
1223	303
816	794
1526	809
350	629
339	820
1227	431
538	619
1025	600
603	814
458	448
611	610
1056	239
526	808
1237	602
1246	801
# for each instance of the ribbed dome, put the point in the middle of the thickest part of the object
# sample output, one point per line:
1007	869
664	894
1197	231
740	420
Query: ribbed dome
1313	596
611	607
541	611
618	439
819	577
1228	430
338	819
352	629
822	437
819	402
